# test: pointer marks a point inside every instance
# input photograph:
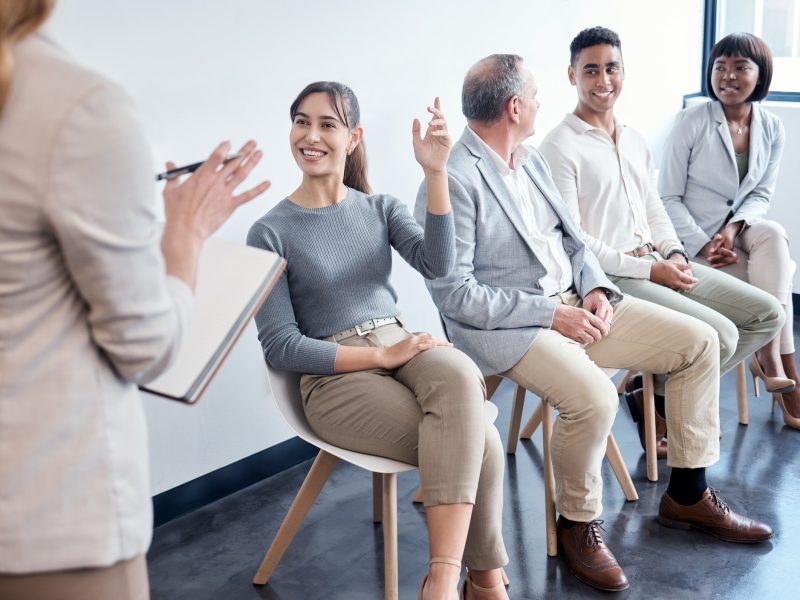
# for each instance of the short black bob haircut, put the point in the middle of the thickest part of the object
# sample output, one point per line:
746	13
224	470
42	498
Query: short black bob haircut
593	36
748	46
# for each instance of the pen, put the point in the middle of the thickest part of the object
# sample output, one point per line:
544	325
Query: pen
172	173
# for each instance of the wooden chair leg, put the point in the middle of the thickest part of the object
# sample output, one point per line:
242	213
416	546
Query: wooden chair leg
617	463
533	423
549	482
625	379
516	418
312	485
390	536
651	453
377	497
418	496
741	393
492	383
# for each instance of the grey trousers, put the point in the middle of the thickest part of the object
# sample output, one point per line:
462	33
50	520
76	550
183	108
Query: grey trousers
125	580
430	413
744	317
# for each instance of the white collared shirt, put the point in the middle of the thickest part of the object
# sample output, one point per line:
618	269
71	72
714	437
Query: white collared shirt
541	221
610	189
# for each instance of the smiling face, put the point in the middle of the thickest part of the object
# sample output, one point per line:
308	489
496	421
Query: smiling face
597	74
733	79
319	139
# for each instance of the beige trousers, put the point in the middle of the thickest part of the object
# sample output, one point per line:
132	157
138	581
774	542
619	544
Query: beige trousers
568	375
764	261
125	580
430	413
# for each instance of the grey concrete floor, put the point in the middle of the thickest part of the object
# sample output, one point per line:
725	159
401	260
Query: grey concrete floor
213	552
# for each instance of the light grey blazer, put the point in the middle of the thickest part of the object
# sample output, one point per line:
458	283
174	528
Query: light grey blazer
492	303
699	182
86	311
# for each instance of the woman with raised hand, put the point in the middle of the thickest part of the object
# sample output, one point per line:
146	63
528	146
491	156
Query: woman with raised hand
717	180
94	298
369	384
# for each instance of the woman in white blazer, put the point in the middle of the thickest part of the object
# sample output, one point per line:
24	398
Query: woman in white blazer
93	300
720	165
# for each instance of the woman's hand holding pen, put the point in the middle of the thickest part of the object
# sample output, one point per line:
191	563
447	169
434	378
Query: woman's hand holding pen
196	206
432	152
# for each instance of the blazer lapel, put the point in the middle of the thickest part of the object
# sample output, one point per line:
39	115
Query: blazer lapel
498	188
756	148
725	136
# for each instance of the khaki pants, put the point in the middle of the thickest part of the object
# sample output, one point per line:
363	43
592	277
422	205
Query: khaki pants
125	580
430	413
764	262
643	336
744	317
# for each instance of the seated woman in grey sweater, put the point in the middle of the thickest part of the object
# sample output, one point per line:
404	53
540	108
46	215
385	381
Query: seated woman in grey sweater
369	384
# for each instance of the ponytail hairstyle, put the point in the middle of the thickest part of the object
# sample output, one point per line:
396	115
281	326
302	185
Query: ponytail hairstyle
345	103
18	18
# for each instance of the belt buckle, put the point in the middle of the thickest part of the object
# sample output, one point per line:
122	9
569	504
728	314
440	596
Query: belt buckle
362	333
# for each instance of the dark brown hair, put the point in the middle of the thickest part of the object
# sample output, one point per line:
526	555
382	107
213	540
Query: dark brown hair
748	46
345	103
18	18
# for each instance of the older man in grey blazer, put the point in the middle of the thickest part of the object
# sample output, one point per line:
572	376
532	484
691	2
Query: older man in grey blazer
527	299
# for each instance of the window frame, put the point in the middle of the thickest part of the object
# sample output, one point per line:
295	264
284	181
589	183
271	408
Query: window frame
709	37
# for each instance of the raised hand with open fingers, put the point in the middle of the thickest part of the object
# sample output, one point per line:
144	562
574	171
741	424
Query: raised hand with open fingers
196	206
432	150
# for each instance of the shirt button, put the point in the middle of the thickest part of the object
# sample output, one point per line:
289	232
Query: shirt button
730	202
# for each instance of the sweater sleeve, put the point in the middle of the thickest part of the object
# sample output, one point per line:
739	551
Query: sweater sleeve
432	250
283	344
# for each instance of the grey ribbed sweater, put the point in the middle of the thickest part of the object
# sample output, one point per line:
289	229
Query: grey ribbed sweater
339	263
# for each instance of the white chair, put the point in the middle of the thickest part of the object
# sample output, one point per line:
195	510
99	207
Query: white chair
286	392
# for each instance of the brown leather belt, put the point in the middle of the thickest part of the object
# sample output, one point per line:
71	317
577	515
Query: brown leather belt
641	250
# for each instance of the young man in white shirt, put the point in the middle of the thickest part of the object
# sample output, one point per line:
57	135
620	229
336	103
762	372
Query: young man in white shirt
606	176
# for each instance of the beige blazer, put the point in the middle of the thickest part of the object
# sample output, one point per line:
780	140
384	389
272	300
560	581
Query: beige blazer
86	311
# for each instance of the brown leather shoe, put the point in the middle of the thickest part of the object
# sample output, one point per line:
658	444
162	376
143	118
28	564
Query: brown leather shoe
714	517
588	556
635	400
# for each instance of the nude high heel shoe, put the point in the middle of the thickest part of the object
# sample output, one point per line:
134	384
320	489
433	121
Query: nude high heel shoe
468	582
439	559
774	385
788	419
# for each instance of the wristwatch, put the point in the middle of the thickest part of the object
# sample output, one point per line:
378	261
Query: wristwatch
680	251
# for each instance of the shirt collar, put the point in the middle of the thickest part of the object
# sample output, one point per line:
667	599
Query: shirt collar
518	157
581	126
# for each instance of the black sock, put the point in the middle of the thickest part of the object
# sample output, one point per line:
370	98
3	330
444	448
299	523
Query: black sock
686	486
565	522
659	403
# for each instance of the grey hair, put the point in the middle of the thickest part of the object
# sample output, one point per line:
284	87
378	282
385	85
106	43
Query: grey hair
489	84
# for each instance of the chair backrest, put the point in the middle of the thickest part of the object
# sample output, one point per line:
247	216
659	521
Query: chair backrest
286	392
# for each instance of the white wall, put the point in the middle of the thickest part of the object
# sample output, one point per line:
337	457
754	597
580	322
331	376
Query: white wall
206	71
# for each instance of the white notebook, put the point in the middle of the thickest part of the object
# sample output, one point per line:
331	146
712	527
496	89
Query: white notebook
233	281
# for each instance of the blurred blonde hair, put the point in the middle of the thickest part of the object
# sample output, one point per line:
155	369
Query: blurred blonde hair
18	18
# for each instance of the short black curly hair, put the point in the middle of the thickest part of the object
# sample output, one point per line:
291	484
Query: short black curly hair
593	36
